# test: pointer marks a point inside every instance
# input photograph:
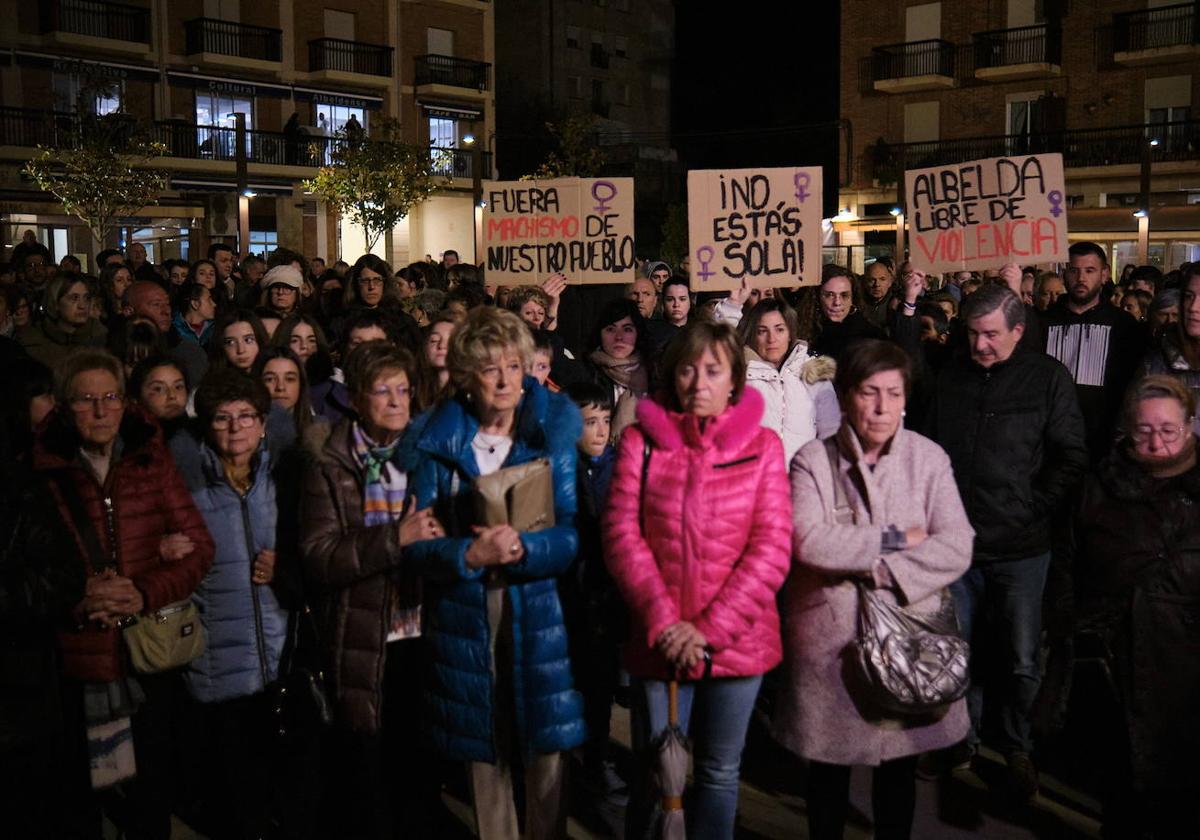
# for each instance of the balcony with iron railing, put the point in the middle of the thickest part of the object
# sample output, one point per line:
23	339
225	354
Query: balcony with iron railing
335	59
458	164
445	72
115	25
27	128
1025	52
914	66
1178	142
236	44
1166	33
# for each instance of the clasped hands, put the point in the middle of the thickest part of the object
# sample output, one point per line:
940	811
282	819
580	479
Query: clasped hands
497	545
109	597
682	645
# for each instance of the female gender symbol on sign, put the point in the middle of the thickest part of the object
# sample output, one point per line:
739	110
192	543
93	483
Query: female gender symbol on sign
801	181
704	255
603	200
1055	198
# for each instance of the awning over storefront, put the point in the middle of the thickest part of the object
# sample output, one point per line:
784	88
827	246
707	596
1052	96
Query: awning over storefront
453	111
103	69
191	183
345	100
232	87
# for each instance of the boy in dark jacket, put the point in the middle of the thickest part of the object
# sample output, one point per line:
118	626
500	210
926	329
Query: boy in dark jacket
594	611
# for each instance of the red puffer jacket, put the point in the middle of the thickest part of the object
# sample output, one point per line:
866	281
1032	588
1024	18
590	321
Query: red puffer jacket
717	535
149	500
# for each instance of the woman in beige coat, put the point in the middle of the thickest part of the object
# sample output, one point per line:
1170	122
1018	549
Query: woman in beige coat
910	539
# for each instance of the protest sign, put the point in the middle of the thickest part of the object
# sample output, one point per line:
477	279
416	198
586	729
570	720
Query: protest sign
985	213
764	224
581	227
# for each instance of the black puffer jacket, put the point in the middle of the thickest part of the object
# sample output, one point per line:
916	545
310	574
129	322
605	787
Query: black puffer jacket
1136	567
1015	437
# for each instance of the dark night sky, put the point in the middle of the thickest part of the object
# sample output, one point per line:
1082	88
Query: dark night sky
752	88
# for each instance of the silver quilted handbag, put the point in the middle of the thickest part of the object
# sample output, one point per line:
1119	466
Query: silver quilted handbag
912	664
909	664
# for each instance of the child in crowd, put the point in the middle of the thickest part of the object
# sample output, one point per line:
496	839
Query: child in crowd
543	358
596	617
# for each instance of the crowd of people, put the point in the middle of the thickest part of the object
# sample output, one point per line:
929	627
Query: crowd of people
291	459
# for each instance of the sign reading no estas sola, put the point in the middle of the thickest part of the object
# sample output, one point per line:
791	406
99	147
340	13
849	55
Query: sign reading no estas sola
764	224
581	227
985	213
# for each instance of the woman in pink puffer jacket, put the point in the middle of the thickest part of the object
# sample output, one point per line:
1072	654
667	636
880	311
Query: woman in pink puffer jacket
699	545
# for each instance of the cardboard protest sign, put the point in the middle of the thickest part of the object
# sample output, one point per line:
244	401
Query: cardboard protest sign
985	213
582	227
764	224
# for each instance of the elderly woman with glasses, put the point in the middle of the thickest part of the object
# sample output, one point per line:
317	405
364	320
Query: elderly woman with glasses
358	527
1135	560
229	472
67	325
143	545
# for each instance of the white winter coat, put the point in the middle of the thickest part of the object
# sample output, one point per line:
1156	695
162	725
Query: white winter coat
800	401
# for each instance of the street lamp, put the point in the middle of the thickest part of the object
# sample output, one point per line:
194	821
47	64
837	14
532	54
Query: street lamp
1143	212
243	189
476	191
898	215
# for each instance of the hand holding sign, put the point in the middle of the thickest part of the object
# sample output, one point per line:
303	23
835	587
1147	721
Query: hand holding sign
914	285
1011	274
554	285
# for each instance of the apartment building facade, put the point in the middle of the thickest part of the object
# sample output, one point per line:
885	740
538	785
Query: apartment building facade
1114	85
611	59
185	67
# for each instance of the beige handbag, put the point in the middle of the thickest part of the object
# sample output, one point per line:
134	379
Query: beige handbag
166	638
520	496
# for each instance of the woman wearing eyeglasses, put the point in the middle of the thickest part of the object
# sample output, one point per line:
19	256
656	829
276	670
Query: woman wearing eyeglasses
229	471
143	545
834	320
67	325
1136	568
372	284
357	527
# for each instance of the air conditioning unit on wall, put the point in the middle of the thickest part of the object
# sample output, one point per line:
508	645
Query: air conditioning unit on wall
221	214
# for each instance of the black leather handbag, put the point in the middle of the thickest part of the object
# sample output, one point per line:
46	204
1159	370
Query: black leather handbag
299	699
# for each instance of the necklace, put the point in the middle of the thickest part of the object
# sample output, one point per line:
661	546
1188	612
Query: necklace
488	442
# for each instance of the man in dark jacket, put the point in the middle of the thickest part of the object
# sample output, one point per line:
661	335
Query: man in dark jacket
1100	344
1010	421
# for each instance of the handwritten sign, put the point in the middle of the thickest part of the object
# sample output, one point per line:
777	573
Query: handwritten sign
764	224
986	213
582	227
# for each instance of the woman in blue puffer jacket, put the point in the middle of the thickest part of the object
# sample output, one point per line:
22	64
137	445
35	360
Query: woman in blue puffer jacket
501	677
229	473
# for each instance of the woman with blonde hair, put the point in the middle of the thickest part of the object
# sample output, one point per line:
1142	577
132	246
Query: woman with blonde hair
501	681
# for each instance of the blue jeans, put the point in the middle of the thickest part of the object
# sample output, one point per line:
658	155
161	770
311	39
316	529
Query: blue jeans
715	714
999	607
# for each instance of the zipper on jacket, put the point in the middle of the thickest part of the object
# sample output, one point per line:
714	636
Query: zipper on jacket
258	627
110	525
738	462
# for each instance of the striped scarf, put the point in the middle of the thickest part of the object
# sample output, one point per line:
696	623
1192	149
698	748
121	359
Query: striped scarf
384	485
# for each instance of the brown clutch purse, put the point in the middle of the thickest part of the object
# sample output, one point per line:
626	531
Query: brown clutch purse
520	496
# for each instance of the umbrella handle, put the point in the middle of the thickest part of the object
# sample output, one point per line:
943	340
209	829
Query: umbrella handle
673	703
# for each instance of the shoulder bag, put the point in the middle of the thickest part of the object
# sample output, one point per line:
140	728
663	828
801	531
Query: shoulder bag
909	664
169	637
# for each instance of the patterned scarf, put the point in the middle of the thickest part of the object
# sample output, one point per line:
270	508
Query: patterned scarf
384	486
